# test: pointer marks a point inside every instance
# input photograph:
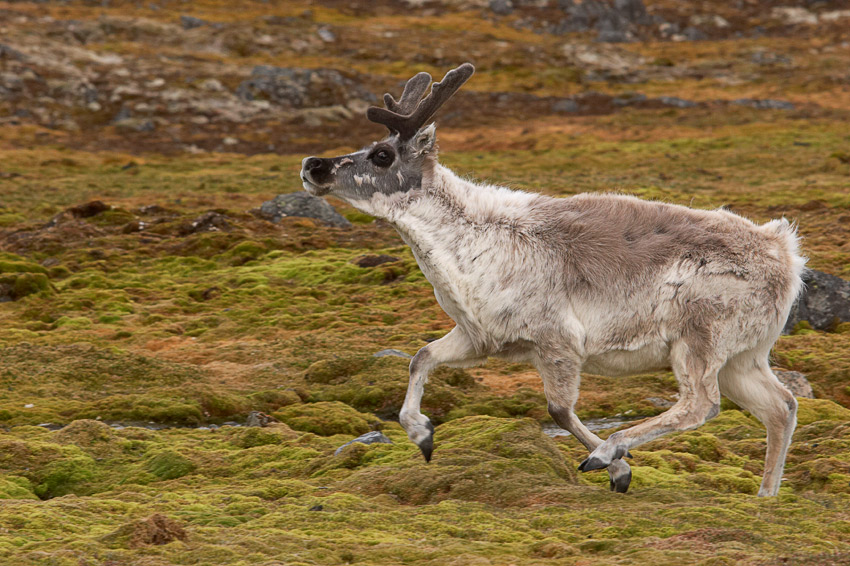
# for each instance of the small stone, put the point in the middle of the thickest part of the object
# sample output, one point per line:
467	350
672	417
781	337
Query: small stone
392	352
326	35
373	437
29	406
230	141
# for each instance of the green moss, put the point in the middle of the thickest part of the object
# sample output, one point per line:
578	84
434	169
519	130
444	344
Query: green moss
326	418
249	437
475	459
16	487
68	475
337	370
169	465
811	410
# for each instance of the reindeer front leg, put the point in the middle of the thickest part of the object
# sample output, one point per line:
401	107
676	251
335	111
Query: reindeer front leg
561	379
455	348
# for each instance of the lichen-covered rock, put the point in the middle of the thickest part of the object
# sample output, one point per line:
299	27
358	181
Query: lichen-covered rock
302	204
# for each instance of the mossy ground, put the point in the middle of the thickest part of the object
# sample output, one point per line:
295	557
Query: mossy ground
131	313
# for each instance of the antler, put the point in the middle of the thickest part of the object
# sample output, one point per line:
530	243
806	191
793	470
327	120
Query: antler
408	114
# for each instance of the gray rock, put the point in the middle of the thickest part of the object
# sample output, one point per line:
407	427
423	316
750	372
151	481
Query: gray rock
769	104
135	125
392	352
256	418
660	403
501	7
326	35
211	221
796	382
303	205
629	99
7	52
825	301
373	437
769	58
694	34
301	88
565	105
191	22
677	102
614	36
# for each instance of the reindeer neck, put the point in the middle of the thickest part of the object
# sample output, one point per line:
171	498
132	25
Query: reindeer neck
447	202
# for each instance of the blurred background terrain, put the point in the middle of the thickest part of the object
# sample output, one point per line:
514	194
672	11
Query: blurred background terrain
157	294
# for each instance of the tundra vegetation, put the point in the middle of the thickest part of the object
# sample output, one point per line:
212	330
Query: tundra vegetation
138	287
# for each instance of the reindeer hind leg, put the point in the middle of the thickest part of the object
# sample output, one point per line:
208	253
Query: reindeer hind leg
748	381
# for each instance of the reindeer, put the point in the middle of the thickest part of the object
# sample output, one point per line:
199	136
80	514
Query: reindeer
604	283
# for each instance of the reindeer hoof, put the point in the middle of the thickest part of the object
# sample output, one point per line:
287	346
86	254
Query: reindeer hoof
427	444
591	464
621	483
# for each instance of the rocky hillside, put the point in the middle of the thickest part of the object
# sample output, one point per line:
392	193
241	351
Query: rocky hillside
160	290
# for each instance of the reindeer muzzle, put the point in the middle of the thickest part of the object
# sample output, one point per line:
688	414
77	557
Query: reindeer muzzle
316	170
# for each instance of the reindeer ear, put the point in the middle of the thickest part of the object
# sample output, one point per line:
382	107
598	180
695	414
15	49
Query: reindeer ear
425	140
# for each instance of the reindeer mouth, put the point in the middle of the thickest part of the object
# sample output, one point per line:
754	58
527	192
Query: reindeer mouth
313	188
311	167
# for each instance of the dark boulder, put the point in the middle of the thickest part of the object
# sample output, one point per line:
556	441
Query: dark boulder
824	303
303	205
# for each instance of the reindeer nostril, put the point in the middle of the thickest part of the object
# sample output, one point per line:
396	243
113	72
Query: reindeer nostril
313	164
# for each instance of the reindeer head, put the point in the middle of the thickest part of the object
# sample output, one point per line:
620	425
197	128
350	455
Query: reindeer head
395	163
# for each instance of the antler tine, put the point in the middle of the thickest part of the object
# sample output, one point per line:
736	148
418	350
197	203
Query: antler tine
413	91
408	124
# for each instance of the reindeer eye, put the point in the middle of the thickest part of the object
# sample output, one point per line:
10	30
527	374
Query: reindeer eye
382	158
